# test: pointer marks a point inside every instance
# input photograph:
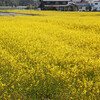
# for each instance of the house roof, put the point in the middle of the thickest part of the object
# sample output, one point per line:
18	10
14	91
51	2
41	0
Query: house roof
96	1
55	0
82	4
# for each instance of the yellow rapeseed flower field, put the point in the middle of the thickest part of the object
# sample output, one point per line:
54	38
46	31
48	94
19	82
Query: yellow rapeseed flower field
53	56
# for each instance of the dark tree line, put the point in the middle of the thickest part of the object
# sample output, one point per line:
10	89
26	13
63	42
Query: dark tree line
8	2
18	2
22	2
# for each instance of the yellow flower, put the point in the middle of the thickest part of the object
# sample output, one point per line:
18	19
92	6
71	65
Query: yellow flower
12	86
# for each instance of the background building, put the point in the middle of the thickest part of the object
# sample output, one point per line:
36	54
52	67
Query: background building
95	6
60	5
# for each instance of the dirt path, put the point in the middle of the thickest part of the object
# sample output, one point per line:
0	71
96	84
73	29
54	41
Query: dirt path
15	14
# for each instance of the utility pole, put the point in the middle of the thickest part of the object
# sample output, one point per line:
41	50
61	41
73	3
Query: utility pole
4	2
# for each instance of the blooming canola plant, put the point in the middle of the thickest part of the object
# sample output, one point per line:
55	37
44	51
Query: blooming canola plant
54	56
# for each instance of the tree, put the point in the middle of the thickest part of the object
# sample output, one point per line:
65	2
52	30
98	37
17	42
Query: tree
34	3
7	2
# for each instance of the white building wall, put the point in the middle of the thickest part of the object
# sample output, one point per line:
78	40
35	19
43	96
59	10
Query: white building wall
96	5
